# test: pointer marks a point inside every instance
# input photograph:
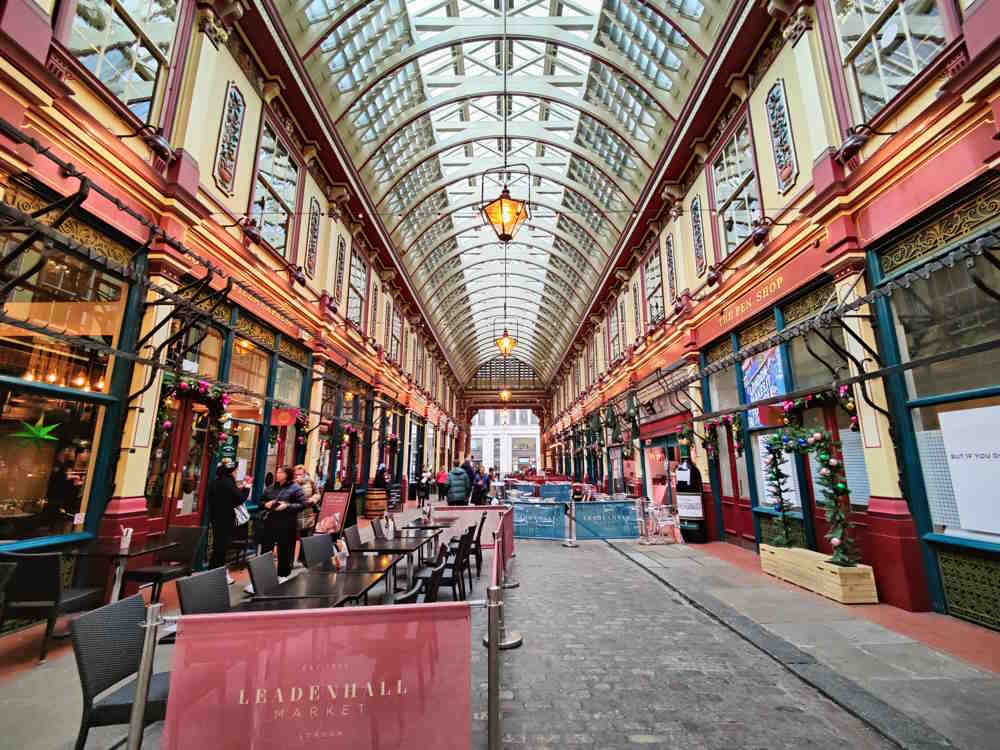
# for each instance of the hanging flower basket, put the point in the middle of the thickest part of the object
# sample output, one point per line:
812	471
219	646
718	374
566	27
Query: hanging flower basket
391	441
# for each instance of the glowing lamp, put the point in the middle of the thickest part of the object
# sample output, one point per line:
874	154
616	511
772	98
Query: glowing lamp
506	343
505	215
505	394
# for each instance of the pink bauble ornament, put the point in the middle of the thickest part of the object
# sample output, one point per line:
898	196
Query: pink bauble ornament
167	424
182	385
824	472
810	440
835	542
817	436
833	462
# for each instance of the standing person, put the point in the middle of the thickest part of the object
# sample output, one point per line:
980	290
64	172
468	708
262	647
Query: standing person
222	497
491	489
424	490
307	518
379	482
442	483
478	486
470	474
283	519
458	486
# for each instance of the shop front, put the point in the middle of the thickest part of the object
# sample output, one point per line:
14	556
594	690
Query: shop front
342	429
59	399
944	315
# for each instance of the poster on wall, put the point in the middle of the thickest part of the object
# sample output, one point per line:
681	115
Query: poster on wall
763	377
972	447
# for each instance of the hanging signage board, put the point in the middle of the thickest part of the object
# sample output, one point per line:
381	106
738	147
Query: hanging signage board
358	677
972	447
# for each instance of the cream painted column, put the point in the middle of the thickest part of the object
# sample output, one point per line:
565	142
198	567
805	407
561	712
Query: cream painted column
880	454
315	406
802	32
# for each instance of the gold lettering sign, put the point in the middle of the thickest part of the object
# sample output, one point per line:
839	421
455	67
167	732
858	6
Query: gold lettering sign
756	298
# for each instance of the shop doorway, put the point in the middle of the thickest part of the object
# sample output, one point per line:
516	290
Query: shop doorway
175	488
661	456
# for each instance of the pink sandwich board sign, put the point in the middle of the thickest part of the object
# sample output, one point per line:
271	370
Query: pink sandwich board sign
365	677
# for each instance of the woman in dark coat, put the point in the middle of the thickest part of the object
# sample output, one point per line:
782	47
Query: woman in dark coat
222	496
283	518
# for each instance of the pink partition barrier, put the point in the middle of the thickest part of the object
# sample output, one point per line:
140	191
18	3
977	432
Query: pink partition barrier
366	677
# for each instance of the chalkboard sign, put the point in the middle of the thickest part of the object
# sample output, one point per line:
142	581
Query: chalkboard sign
394	501
606	520
539	521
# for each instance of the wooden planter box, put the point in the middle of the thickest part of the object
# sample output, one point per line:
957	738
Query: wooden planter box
810	570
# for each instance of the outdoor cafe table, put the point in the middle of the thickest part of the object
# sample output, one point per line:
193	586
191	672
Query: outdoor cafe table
359	565
335	587
272	605
112	551
404	545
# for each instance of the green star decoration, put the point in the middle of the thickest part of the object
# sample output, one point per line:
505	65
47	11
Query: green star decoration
37	431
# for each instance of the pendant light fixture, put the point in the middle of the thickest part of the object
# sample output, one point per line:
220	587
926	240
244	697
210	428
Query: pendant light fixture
504	214
505	342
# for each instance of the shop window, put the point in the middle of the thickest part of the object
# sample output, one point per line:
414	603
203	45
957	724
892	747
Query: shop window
636	309
69	295
765	498
356	287
851	446
46	460
726	465
248	371
126	45
945	312
653	281
614	334
198	351
275	191
397	335
735	185
885	45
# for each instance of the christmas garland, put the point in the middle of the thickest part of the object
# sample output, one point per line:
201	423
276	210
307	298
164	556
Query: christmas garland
392	441
843	397
215	399
831	480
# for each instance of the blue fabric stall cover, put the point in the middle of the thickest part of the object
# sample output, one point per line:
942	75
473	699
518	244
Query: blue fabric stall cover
526	487
539	521
606	520
555	491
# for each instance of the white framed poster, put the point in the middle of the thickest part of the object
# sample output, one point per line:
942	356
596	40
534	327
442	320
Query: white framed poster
689	506
972	447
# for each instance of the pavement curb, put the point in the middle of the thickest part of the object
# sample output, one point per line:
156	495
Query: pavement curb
907	732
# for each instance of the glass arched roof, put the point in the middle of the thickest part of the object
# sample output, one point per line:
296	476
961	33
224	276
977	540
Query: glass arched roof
415	90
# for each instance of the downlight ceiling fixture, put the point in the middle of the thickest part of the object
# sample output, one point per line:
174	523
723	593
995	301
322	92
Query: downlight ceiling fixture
505	213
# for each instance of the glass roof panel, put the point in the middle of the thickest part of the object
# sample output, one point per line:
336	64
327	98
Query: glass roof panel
415	89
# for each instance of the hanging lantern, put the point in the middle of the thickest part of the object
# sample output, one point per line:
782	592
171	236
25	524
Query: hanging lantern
506	343
505	214
504	394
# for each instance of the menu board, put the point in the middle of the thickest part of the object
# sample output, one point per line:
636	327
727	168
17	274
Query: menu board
333	512
394	497
689	505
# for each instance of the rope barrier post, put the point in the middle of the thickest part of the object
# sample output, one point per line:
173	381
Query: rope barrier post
494	718
571	541
138	715
503	564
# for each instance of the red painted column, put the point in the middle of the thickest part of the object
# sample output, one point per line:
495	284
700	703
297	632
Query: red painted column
891	546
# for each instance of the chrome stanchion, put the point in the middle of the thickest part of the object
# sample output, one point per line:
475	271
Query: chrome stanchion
494	603
571	542
137	718
503	564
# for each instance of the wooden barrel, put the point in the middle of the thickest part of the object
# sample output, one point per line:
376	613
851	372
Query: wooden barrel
375	500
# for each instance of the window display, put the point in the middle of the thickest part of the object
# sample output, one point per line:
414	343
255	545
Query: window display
46	459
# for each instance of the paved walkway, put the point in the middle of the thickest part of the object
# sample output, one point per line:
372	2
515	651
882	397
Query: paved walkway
614	659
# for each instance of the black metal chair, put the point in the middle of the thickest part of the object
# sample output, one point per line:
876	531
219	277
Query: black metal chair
410	597
317	549
204	593
263	575
378	529
353	537
432	584
108	647
476	548
173	563
455	567
35	591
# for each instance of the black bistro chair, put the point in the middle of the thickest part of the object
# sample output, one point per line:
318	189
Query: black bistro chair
352	537
263	576
108	647
204	593
36	591
476	548
316	549
410	597
455	563
432	584
173	563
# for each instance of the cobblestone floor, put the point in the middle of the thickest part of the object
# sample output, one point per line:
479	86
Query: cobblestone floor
613	659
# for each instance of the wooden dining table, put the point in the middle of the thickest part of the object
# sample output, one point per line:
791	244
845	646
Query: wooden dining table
360	565
406	544
337	588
